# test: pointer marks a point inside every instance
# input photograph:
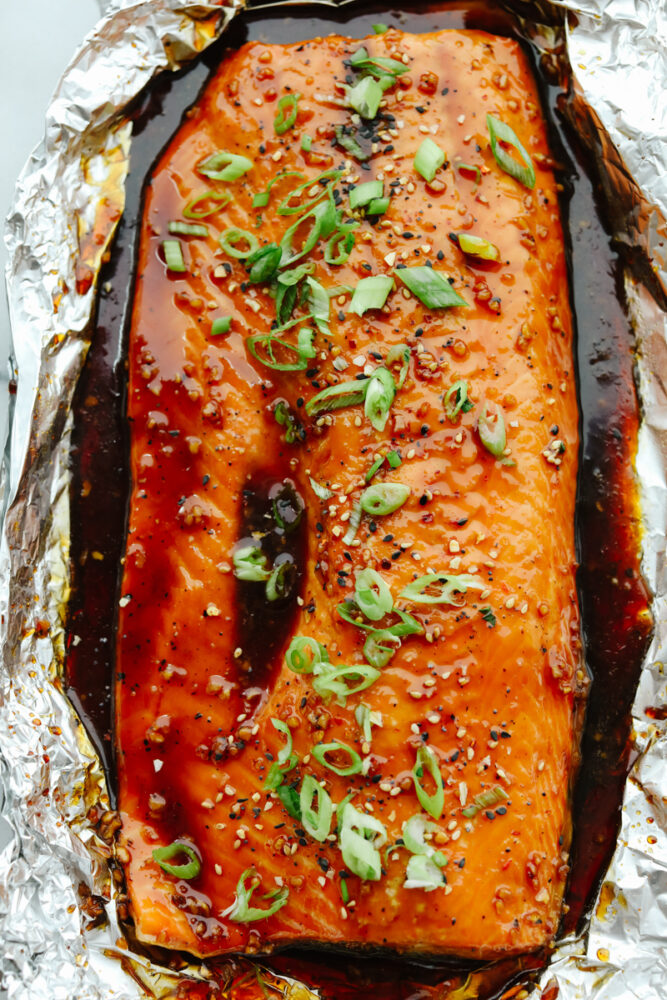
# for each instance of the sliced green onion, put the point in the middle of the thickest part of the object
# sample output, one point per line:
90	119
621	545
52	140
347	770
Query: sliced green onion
428	159
173	255
287	208
344	891
287	110
467	168
378	206
435	802
336	397
475	246
250	563
190	869
371	293
366	719
374	468
343	681
303	350
430	286
242	913
322	221
456	400
372	595
320	751
231	237
319	305
353	525
384	498
321	492
339	247
492	432
286	752
221	325
380	646
192	211
423	873
485	800
361	836
306	143
500	132
439	588
394	459
413	833
350	144
289	798
278	584
304	653
380	29
399	352
261	200
365	96
187	229
233	166
380	65
263	263
380	395
316	822
288	506
362	194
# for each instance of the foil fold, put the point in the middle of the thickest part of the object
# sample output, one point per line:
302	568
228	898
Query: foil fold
59	933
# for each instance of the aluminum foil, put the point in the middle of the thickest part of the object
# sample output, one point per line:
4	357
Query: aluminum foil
54	878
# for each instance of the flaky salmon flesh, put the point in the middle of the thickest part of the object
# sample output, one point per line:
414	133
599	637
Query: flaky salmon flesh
348	654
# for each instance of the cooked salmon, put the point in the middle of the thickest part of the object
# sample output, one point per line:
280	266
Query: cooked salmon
348	655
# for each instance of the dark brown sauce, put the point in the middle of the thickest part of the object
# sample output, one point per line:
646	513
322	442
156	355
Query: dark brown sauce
614	599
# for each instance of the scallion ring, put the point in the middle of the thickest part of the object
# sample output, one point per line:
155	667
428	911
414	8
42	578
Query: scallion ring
380	393
423	873
321	221
434	802
384	498
242	913
339	247
350	144
380	65
262	265
500	132
365	96
371	293
399	352
316	822
218	200
303	350
475	246
428	159
221	325
304	653
364	193
173	255
380	646
250	563
325	180
353	525
456	400
286	752
336	397
360	838
190	869
342	681
492	432
378	206
287	111
279	583
231	237
261	199
233	166
187	229
372	595
354	765
440	588
430	287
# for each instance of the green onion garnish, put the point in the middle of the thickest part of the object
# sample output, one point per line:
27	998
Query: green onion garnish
399	352
413	833
350	144
321	492
380	393
377	464
285	761
353	525
378	206
303	350
362	194
319	305
371	293
190	869
394	459
439	588
316	822
500	132
304	653
485	800
192	211
457	401
366	719
430	286
428	159
380	66
467	168
475	246
173	255
289	798
286	752
263	263
250	563
342	681
242	913
380	29
221	325
341	241
187	229
423	873
380	646
278	583
306	143
286	117
365	96
320	751
233	166
372	595
344	891
261	200
336	397
329	176
435	802
322	219
230	237
384	498
492	432
361	836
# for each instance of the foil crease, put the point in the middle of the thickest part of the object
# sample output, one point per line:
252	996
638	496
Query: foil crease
54	877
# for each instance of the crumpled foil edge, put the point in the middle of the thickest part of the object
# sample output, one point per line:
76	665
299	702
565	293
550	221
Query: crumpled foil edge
49	774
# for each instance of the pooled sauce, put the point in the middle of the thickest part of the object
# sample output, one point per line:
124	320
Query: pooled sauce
612	596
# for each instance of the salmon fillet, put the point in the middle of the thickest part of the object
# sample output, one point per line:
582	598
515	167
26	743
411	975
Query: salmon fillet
348	652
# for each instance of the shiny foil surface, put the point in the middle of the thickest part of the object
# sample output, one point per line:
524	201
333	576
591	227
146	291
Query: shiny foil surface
54	879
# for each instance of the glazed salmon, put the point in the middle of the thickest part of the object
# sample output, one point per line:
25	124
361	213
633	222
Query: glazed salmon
348	658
